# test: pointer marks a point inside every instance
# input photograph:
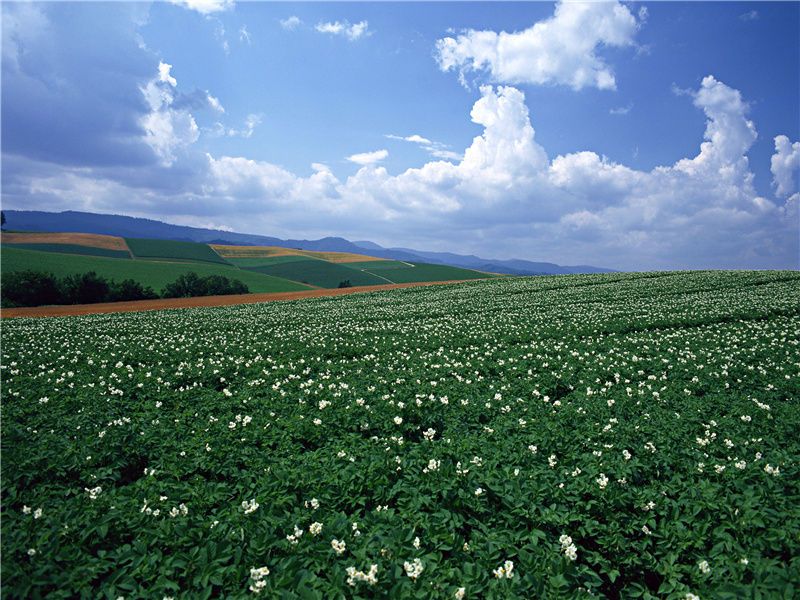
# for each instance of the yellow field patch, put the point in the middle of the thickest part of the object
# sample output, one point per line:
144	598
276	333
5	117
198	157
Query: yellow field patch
267	251
92	240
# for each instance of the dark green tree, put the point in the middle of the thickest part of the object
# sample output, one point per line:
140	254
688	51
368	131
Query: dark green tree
29	288
86	288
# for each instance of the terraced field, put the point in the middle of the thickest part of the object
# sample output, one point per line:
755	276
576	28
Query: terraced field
587	436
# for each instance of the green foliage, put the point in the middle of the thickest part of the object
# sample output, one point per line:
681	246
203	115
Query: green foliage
149	274
71	249
129	290
29	288
87	288
345	284
190	285
649	418
173	250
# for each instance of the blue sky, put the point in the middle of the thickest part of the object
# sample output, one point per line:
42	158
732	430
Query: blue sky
631	135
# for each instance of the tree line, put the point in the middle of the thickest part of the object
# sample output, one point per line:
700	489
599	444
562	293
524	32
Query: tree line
35	288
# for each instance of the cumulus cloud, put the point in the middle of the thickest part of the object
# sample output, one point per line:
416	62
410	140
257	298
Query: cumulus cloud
345	28
205	7
368	158
785	162
559	50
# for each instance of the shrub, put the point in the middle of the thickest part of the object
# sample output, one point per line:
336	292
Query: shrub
345	284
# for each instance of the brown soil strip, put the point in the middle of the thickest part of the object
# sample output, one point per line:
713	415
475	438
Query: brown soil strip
205	301
92	240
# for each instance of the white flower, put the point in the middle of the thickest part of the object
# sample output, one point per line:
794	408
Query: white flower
315	528
413	569
353	576
338	546
26	509
31	551
506	570
479	491
552	460
416	542
602	481
460	592
251	506
398	420
703	566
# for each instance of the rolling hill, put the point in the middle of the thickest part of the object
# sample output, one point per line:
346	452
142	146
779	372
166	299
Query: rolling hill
155	263
117	225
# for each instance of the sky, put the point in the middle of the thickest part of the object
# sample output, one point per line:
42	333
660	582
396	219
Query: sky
625	135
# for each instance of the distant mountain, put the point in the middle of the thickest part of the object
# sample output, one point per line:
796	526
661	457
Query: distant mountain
83	222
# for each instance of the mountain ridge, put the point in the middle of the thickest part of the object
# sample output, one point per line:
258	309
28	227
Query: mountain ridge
125	226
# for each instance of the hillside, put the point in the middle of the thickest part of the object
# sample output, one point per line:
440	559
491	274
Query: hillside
156	263
117	225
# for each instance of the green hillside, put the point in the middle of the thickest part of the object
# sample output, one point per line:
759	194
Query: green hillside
318	272
153	274
425	272
170	250
72	249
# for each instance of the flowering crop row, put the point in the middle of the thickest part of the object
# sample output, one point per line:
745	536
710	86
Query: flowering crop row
589	436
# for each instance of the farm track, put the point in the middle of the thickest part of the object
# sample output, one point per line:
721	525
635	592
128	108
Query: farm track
200	302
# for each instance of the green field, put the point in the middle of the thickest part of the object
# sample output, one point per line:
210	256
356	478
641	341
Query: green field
72	249
317	272
377	265
428	272
153	274
625	436
170	250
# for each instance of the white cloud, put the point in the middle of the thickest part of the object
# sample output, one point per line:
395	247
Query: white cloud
436	149
166	128
351	31
215	103
785	162
622	110
163	74
244	35
368	158
561	49
749	16
205	7
291	23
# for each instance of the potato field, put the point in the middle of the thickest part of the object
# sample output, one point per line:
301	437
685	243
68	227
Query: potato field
585	436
